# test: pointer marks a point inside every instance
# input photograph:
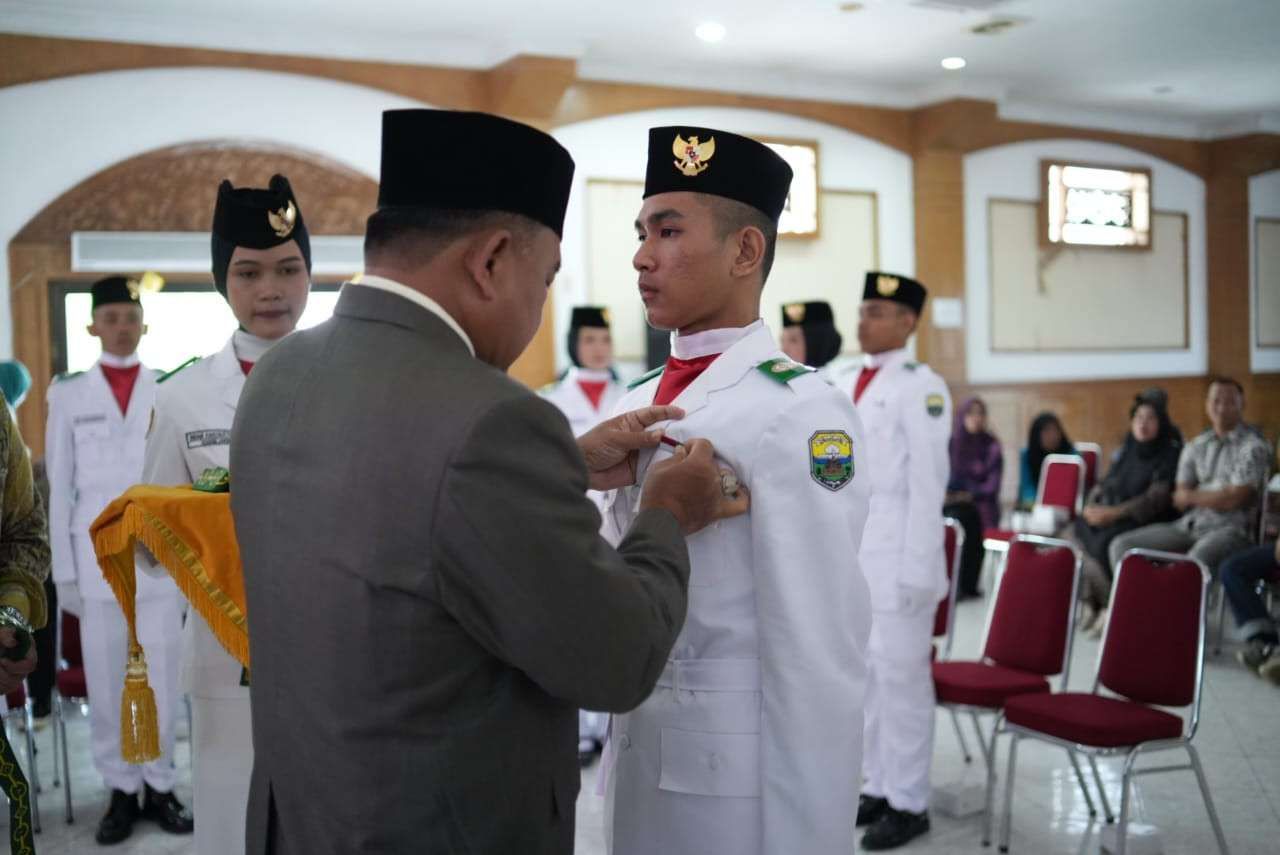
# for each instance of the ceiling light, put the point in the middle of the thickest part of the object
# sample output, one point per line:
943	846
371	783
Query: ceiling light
954	63
710	31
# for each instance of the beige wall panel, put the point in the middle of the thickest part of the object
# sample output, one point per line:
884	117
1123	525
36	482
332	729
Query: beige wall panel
1267	242
1085	299
829	267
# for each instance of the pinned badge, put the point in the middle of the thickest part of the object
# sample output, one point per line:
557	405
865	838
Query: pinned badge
795	312
692	156
283	220
935	404
886	286
831	458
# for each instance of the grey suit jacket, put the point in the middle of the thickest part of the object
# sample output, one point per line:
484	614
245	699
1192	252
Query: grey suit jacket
429	599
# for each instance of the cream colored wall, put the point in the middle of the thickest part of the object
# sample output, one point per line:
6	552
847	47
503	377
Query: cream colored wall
1048	299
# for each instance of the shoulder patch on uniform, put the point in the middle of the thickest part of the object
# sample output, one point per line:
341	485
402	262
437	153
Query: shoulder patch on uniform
935	404
831	458
783	369
911	366
66	375
646	377
192	361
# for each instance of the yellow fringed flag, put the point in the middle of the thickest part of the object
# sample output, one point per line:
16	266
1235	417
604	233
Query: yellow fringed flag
192	535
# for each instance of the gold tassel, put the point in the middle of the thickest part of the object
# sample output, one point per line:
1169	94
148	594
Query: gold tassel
139	726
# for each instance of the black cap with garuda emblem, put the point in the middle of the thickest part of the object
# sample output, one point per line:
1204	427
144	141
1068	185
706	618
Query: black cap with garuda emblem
585	316
822	341
899	289
452	160
256	219
683	158
114	289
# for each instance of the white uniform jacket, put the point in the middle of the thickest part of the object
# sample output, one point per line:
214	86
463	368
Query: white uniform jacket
569	398
906	412
192	432
751	742
93	453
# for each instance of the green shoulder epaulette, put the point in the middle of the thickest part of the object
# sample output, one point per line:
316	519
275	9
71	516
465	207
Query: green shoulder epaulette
66	375
163	377
646	377
911	366
215	479
783	370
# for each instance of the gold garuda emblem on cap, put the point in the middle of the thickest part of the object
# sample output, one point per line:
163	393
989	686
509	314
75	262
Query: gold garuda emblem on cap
604	313
887	286
795	312
148	283
692	156
283	220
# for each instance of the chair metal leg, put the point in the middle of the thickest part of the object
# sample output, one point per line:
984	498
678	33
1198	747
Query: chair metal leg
1007	823
1084	788
1222	617
1102	791
1122	828
32	771
964	747
983	745
1208	799
991	786
61	725
57	769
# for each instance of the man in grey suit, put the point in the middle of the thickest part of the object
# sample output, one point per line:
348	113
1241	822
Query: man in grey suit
429	600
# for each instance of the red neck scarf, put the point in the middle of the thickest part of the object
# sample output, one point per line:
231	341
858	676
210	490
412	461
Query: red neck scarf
121	381
678	374
864	380
245	366
594	390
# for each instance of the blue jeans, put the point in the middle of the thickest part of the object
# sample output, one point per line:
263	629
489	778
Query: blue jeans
1241	574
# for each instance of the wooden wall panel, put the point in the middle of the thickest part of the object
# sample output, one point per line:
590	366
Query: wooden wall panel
939	219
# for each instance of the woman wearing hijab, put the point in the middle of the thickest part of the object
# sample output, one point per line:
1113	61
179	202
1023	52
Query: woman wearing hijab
809	334
262	267
1137	490
1045	437
973	494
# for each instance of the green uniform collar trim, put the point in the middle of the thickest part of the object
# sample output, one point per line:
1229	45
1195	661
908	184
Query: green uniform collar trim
646	377
192	361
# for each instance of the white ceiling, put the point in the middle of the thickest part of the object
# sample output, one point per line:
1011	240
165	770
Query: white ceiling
1086	62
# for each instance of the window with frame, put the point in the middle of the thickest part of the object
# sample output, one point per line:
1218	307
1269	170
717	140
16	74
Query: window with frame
800	213
1095	206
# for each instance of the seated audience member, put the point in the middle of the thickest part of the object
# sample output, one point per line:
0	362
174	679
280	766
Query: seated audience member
1045	437
1216	487
973	494
1241	574
1137	490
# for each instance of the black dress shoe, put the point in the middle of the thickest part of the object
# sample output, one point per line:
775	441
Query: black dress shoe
117	825
871	808
166	811
895	828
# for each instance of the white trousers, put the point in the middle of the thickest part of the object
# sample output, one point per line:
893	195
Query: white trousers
104	637
222	761
897	748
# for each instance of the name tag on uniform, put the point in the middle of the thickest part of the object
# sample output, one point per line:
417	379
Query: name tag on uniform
210	436
89	419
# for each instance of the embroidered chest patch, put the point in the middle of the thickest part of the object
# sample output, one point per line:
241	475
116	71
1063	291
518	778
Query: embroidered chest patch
211	436
934	405
831	458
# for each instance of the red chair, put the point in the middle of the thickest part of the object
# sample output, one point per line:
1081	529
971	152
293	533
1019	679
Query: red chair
1061	486
1091	453
69	684
1027	640
19	709
1157	604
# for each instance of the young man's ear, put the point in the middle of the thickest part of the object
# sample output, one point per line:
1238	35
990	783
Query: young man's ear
751	245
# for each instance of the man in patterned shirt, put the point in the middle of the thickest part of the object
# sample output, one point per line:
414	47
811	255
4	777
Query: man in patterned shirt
1220	473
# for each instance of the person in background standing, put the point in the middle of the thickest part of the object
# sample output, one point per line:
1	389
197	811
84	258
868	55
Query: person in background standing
590	389
809	334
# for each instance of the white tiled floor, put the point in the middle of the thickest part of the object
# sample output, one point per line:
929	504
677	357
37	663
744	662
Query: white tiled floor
1239	741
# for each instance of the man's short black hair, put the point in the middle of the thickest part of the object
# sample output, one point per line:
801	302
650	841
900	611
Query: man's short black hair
1221	380
413	236
732	215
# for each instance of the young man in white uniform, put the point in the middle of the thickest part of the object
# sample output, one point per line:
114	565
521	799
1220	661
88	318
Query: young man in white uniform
906	411
261	265
93	452
752	740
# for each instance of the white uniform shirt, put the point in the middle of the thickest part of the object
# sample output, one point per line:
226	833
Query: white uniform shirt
906	412
752	741
569	398
93	453
191	433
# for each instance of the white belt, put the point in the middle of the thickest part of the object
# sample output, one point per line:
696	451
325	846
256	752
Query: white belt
711	675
